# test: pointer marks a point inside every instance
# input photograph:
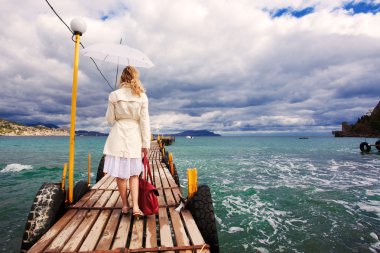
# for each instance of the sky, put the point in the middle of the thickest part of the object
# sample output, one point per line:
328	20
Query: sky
233	67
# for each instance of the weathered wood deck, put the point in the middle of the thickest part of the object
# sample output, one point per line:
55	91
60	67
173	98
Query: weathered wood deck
95	222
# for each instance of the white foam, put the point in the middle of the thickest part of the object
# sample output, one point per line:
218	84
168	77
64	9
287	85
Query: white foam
16	167
232	230
371	206
374	236
262	250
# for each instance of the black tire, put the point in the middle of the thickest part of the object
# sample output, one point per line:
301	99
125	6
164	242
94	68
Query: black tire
45	211
165	160
365	147
202	210
175	176
377	143
100	173
80	189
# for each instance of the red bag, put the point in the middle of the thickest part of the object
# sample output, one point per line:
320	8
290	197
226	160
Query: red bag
148	202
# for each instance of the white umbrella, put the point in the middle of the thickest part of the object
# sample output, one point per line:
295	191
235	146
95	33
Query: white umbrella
119	54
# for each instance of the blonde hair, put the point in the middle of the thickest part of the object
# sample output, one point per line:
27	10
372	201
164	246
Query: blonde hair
130	79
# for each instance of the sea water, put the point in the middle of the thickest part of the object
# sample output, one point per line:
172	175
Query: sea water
270	194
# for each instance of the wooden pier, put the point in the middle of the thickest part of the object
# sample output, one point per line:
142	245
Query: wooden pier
95	223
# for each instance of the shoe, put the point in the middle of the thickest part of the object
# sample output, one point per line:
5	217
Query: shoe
125	210
138	214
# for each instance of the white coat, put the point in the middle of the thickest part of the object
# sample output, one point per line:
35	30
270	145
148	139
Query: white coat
128	114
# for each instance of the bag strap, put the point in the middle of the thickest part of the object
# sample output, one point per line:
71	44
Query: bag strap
147	167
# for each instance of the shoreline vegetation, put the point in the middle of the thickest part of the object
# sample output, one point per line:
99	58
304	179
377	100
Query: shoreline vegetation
9	128
367	125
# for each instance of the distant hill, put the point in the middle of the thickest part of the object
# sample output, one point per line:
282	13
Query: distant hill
48	125
367	125
89	133
10	128
196	133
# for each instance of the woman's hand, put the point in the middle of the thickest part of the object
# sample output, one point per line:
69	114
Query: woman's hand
145	151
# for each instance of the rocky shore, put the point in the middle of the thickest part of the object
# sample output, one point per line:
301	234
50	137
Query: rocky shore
9	128
367	125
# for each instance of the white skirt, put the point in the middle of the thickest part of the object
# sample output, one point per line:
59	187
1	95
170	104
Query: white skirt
122	167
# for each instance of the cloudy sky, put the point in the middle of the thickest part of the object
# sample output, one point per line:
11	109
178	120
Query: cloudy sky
233	67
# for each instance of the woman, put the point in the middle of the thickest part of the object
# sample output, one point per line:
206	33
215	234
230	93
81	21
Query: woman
129	137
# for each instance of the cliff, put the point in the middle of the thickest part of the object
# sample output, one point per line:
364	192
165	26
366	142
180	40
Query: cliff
9	128
366	126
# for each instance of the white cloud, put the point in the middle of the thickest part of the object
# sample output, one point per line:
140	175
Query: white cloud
226	66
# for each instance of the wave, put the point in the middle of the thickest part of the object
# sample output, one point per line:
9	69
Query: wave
15	167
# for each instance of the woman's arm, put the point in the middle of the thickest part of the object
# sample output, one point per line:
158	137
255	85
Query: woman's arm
145	124
110	114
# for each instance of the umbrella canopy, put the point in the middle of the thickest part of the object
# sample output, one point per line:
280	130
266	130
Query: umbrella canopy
119	54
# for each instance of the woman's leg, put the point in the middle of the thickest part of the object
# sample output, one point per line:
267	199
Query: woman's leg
134	186
122	186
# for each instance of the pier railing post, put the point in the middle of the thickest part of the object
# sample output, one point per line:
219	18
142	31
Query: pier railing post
171	163
192	182
63	183
78	27
89	169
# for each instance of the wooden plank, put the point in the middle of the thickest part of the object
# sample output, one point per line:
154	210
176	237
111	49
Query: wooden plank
101	181
95	232
113	185
113	199
176	191
85	198
67	231
137	234
170	200
48	237
161	198
194	233
122	232
79	235
109	231
179	230
176	194
93	235
107	183
165	233
151	234
103	199
93	198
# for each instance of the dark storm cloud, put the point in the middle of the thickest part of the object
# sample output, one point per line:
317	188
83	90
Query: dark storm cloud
306	70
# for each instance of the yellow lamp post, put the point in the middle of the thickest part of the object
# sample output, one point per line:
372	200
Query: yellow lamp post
78	26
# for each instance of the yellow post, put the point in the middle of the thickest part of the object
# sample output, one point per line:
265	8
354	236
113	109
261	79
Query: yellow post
89	169
192	182
73	115
63	184
171	163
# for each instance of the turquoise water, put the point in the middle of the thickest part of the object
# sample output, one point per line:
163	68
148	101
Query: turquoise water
271	194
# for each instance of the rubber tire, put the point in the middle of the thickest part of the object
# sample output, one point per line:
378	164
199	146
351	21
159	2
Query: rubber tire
165	160
175	176
46	209
377	143
202	210
365	147
80	189
100	173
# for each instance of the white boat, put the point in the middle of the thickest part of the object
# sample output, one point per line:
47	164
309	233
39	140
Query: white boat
189	137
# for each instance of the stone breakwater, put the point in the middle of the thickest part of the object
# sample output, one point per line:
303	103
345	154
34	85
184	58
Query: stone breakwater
8	128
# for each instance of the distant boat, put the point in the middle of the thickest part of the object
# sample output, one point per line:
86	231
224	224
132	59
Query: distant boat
189	137
303	138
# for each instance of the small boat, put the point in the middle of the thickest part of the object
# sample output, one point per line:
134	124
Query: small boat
189	137
303	138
